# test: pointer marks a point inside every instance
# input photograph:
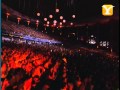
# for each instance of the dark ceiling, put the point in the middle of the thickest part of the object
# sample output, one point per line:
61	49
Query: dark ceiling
85	10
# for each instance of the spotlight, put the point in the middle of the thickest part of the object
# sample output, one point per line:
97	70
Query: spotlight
18	19
37	21
28	22
71	24
73	16
61	17
64	21
48	22
54	24
57	10
50	16
60	26
55	21
60	23
47	25
38	14
7	14
92	35
45	19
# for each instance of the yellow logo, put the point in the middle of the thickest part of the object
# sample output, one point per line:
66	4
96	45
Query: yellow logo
107	10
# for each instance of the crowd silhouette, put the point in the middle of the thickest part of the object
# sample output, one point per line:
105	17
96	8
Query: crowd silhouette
27	67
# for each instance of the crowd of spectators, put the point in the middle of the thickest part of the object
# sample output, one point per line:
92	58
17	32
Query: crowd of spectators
26	67
12	27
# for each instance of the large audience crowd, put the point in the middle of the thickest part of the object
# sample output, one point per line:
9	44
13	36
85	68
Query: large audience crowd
12	27
26	67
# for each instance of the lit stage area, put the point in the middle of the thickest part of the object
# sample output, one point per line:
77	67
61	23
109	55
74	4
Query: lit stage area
59	45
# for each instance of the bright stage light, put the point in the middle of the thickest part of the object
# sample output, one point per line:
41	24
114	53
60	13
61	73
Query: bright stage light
48	22
55	21
38	14
47	25
45	19
50	16
73	16
19	19
64	21
28	22
54	24
61	17
60	23
7	14
57	10
71	23
37	21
